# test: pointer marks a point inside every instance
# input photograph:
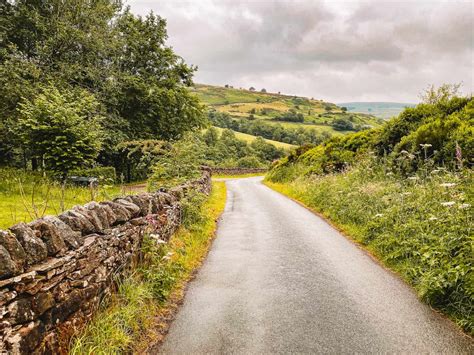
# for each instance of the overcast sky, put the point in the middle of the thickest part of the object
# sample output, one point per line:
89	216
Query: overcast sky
331	50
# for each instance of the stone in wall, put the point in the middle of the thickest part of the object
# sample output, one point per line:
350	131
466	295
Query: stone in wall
54	271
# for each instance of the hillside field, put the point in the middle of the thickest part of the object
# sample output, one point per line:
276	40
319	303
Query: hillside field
249	138
316	114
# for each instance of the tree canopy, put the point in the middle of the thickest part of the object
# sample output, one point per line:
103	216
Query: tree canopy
99	48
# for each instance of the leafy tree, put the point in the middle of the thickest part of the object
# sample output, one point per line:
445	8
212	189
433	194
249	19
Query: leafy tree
342	124
249	162
251	88
263	90
182	162
61	129
211	136
121	59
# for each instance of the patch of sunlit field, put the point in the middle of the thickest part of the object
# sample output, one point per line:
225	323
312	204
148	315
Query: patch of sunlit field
26	196
249	139
421	226
247	107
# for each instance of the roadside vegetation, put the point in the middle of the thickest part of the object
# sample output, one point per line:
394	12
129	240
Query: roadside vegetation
135	316
405	191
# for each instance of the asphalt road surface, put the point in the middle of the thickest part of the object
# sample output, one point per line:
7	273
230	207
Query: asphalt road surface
279	279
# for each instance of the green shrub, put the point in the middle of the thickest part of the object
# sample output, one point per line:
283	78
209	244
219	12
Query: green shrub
249	162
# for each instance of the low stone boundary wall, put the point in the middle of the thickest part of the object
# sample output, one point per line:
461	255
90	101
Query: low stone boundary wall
55	270
238	171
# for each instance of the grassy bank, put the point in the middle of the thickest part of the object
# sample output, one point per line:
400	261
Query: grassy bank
420	226
136	316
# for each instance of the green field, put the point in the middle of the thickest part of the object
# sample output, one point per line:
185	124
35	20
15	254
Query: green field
246	104
26	196
249	138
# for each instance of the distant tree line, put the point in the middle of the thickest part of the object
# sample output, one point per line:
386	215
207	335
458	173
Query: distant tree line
296	136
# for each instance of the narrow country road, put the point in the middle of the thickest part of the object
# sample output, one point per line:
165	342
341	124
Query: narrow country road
279	279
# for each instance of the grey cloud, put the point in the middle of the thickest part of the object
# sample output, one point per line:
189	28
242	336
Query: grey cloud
338	51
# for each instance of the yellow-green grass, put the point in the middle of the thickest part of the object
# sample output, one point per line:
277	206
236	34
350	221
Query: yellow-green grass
28	200
139	313
249	139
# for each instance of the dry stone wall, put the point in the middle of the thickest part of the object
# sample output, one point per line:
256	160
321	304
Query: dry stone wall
55	270
238	171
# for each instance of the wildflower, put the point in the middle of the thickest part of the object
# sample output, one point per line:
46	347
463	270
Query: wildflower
406	193
404	152
448	204
389	173
379	215
433	218
465	205
168	256
448	184
425	145
413	178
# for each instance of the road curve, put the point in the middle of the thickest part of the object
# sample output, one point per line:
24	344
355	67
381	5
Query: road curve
279	279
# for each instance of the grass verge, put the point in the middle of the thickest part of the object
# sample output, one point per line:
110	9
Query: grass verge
138	314
420	227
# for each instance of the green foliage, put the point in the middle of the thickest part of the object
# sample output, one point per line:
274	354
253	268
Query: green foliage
180	163
439	134
135	159
62	129
249	162
290	116
342	124
420	226
266	130
121	59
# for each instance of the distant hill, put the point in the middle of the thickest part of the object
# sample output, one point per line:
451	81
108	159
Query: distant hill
284	110
379	109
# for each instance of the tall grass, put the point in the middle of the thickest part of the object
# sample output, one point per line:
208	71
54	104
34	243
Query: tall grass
421	226
25	196
130	320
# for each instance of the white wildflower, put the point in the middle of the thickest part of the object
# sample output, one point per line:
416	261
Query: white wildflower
433	218
406	193
448	204
448	184
425	145
379	215
413	178
168	256
465	205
